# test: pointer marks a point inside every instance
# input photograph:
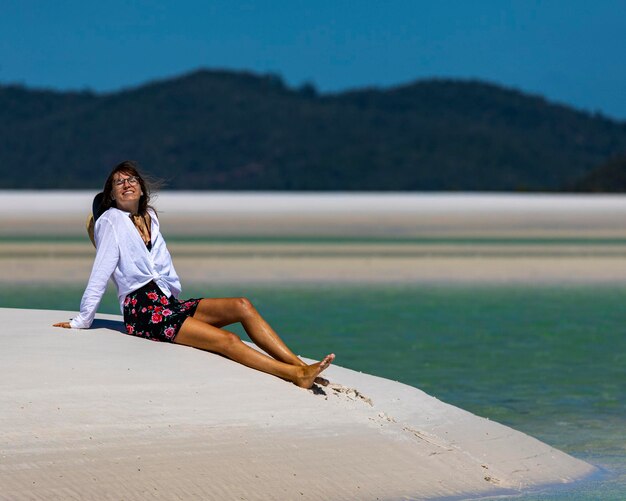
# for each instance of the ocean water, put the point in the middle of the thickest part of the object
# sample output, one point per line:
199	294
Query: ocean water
548	361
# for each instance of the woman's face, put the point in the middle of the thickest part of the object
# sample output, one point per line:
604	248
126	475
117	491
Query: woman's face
126	191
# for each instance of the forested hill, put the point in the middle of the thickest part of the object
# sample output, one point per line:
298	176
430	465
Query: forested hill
609	177
234	130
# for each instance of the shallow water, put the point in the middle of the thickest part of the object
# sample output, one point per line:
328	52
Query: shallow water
548	361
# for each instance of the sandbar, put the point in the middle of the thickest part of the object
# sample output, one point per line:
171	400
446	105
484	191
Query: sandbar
273	238
98	414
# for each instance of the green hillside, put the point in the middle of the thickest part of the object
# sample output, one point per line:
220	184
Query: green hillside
233	130
609	177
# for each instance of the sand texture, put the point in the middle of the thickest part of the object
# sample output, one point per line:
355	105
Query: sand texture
97	414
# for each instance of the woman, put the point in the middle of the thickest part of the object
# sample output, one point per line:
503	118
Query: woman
130	248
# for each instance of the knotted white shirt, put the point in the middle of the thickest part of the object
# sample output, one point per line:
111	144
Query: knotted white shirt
122	255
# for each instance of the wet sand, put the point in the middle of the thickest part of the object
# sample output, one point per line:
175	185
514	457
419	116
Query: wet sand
258	268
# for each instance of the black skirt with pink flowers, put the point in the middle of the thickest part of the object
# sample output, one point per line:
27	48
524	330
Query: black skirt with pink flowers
151	314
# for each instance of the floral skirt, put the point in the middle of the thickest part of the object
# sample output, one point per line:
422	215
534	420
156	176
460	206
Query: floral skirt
149	313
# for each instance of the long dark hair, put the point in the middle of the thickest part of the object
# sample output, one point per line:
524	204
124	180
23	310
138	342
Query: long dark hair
130	168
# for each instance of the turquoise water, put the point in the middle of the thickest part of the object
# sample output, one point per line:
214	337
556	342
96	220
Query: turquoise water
548	361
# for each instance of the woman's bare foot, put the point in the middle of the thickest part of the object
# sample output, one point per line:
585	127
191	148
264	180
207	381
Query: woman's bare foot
322	381
310	372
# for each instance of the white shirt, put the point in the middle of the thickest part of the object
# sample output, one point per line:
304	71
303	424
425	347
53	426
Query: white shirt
122	254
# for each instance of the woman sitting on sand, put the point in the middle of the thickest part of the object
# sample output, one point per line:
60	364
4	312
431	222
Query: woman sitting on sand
130	247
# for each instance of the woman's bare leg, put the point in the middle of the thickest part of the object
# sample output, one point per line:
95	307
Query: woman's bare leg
226	311
220	312
199	334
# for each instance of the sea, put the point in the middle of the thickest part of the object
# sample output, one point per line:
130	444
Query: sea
549	361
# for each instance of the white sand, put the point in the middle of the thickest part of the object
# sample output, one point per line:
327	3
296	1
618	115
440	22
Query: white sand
209	214
98	414
189	202
370	214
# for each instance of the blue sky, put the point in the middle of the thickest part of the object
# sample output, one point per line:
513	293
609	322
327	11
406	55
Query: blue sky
571	51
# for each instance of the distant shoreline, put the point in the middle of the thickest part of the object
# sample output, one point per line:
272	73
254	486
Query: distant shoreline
407	215
338	237
58	201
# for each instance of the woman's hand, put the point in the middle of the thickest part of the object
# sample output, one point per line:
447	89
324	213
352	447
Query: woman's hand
65	325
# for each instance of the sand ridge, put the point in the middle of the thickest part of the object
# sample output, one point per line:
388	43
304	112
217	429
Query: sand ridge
99	414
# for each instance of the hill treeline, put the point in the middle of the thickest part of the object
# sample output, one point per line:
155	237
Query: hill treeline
609	177
237	130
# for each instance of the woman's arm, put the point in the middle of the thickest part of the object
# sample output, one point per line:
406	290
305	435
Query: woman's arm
107	256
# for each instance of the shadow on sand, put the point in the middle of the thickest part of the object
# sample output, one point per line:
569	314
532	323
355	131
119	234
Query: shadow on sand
114	325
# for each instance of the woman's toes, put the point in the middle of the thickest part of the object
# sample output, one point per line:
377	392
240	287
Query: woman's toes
328	359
